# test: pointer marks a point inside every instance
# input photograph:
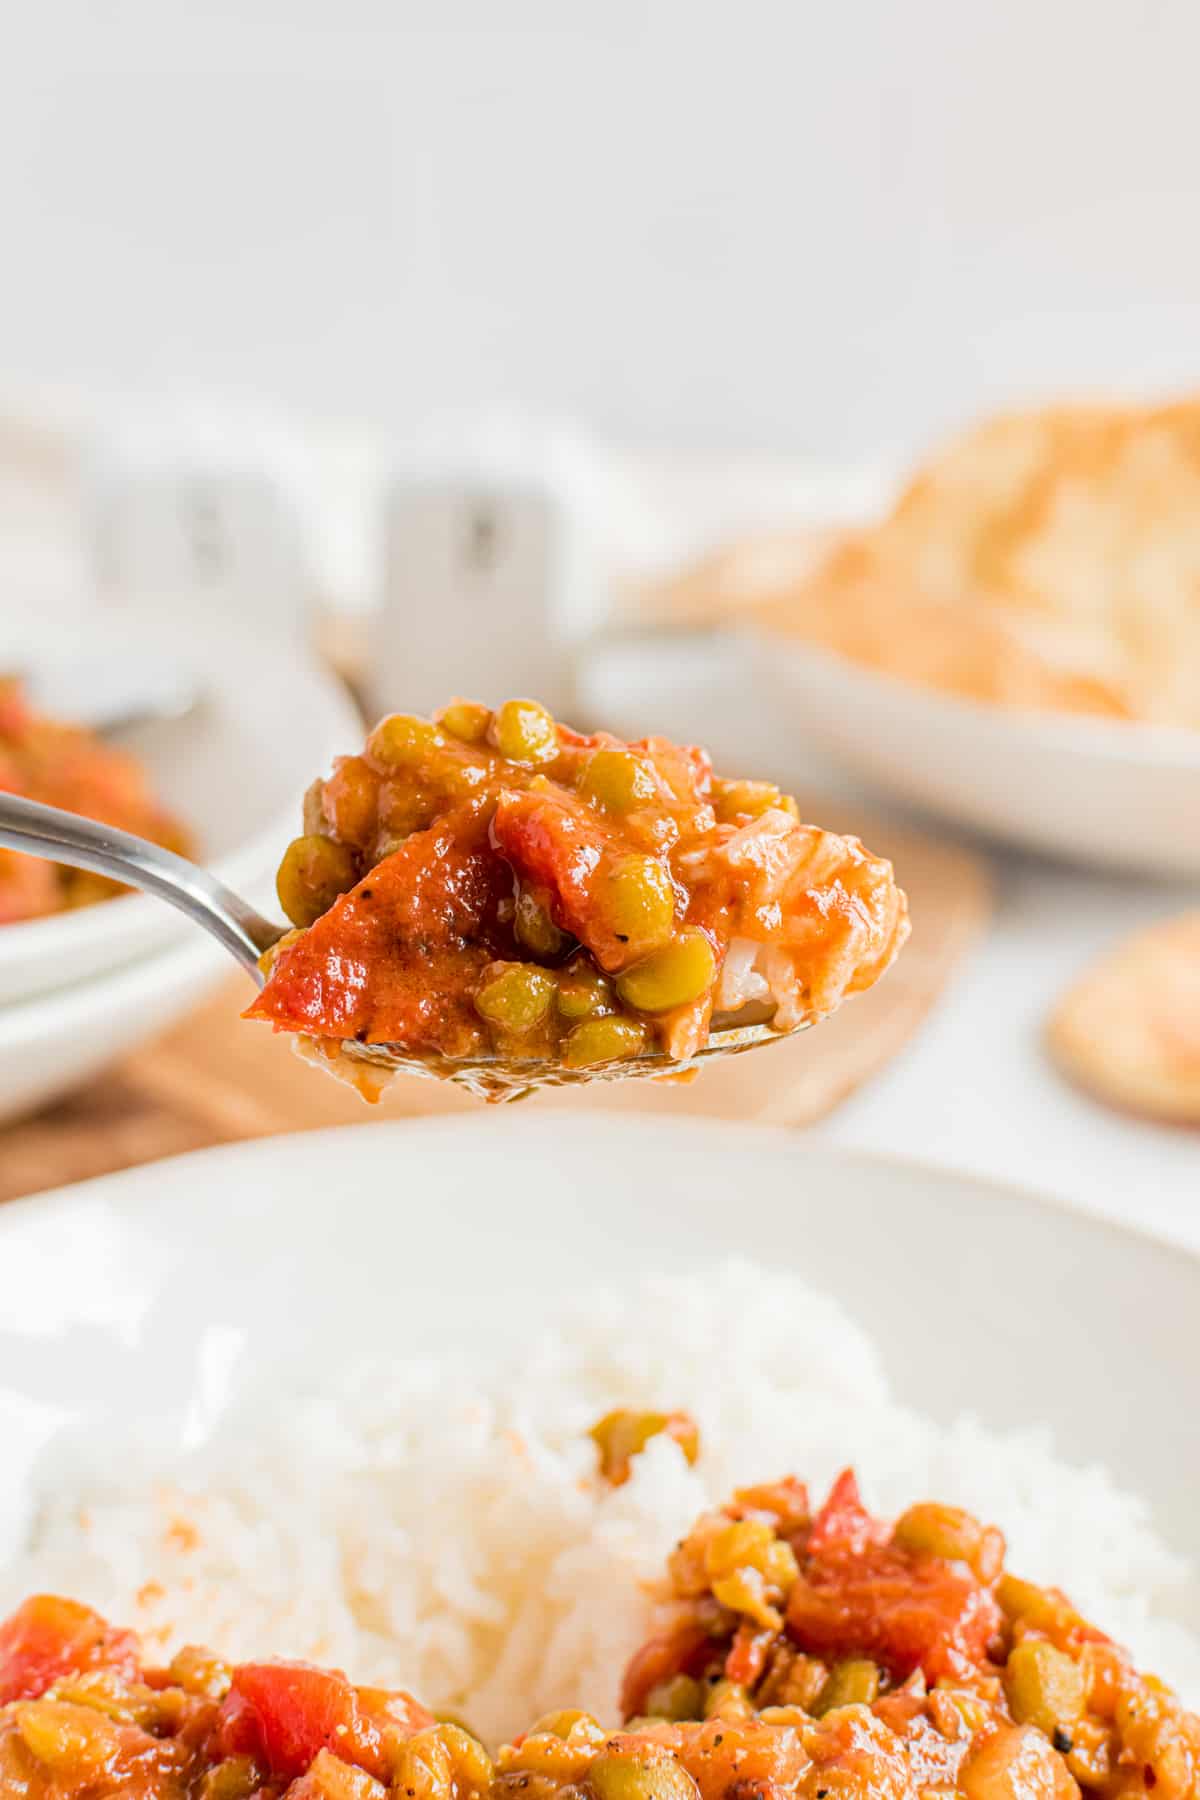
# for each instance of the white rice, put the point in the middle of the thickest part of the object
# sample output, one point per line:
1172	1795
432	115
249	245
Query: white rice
440	1525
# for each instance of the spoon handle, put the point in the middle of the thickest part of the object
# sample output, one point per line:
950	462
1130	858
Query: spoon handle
63	837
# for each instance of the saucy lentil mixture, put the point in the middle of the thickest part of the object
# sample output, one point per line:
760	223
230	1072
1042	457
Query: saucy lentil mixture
807	1654
64	765
494	882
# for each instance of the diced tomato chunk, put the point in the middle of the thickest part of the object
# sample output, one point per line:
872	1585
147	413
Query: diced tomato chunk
396	959
286	1713
858	1594
556	846
905	1613
48	1637
566	856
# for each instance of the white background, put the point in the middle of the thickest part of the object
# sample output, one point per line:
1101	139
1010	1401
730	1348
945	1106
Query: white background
779	224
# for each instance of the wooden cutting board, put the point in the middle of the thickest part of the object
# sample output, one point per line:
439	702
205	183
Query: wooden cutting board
214	1079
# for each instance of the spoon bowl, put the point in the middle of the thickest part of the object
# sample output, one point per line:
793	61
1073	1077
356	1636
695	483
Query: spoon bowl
500	1079
36	830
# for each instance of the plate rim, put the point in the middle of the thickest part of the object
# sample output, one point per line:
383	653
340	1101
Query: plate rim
164	962
1160	1241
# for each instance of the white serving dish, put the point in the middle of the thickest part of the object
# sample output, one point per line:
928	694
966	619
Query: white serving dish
53	1042
175	1287
1093	791
235	770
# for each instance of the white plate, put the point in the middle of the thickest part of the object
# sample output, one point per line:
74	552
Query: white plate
234	770
54	1042
1094	791
157	1287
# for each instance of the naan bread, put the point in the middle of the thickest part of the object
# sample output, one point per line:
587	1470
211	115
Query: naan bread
1046	559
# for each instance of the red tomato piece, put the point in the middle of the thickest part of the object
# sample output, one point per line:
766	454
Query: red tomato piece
858	1594
557	845
397	959
286	1713
47	1638
565	855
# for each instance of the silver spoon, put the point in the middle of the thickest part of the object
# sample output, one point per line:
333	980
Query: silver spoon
63	837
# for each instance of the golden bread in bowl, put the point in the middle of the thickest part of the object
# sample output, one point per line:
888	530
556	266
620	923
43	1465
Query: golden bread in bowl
1046	559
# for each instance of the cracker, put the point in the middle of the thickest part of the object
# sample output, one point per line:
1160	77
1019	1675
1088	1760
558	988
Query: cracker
1128	1030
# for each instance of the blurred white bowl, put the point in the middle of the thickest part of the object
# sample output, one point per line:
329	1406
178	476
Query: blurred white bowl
54	1042
1119	796
234	770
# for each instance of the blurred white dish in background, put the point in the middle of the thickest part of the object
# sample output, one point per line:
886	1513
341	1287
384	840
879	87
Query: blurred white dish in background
114	691
234	769
1110	794
54	1042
